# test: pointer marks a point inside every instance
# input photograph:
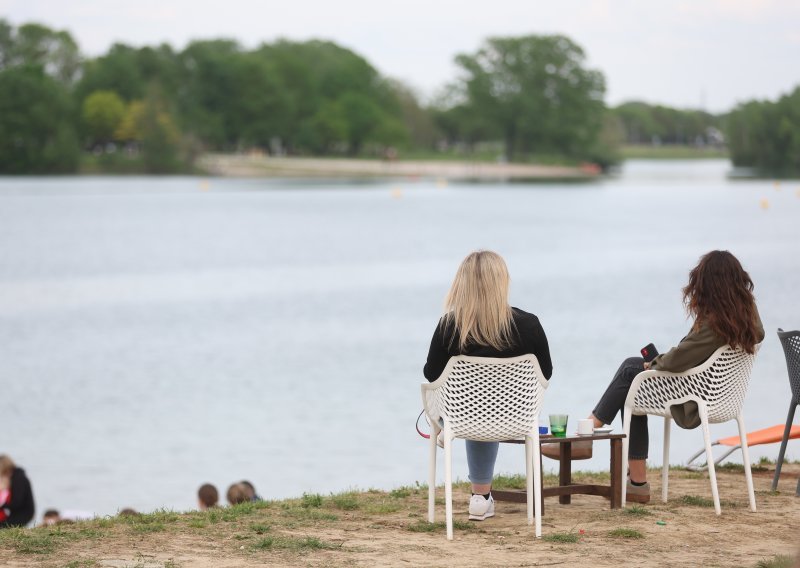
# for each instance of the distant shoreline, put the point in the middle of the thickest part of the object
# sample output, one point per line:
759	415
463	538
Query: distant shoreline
250	166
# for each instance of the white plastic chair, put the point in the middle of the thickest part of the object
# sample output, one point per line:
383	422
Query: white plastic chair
491	400
718	386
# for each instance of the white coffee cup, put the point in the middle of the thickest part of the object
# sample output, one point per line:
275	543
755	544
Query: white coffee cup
585	427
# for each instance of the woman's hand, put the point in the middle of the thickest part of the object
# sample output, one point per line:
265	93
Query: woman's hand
646	365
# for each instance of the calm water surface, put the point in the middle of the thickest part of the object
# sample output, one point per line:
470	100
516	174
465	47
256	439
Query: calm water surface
158	333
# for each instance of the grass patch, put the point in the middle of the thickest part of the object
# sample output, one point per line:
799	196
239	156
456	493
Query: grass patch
778	561
382	508
42	540
739	468
345	501
310	514
625	533
520	481
84	564
696	501
292	543
260	528
425	526
400	493
311	500
672	152
636	511
562	538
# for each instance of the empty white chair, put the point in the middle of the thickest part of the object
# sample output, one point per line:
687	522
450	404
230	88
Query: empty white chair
491	400
718	386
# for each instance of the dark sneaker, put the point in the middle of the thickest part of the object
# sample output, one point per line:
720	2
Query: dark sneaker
637	493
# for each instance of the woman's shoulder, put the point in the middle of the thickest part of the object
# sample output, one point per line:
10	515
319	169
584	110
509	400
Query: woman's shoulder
521	317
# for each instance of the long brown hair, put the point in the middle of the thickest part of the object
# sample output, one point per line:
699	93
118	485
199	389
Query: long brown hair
720	294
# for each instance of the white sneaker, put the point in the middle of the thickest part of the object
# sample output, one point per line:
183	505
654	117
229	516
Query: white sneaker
480	508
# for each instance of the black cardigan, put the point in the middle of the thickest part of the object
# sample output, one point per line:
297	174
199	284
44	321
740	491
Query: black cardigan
21	508
528	336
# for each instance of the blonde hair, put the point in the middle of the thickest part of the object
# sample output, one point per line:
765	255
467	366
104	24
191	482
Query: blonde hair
6	465
477	303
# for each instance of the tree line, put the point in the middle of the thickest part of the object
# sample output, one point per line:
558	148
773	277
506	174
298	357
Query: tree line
765	135
528	98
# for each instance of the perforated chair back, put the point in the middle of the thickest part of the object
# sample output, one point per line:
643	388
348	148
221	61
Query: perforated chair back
790	340
718	386
490	400
487	399
721	382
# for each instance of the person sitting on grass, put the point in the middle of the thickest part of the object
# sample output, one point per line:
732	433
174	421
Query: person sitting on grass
250	490
18	509
207	497
479	321
719	296
237	493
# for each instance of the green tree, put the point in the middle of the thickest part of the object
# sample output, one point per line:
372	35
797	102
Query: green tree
37	134
418	123
103	112
159	135
765	135
537	92
325	84
34	44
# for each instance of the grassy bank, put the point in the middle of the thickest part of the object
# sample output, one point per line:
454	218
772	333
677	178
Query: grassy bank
672	152
380	528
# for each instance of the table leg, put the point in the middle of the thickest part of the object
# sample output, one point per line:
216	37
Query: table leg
565	471
616	473
541	483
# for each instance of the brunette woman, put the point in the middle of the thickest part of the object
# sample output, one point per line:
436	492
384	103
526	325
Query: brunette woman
719	296
479	321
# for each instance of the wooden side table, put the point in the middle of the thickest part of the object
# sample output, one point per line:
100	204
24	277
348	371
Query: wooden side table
565	489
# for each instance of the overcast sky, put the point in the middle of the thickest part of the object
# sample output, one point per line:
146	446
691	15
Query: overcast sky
695	53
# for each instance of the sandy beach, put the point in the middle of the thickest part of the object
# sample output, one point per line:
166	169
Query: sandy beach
259	165
377	528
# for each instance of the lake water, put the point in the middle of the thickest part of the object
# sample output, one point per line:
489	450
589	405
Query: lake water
159	333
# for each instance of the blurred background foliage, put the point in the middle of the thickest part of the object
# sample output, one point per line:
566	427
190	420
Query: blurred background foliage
524	99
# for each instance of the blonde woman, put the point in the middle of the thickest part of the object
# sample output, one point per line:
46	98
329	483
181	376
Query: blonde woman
479	321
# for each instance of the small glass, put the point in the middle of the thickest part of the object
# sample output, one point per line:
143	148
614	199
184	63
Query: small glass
558	425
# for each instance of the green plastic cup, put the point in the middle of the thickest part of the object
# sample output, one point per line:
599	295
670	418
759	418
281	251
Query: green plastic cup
558	425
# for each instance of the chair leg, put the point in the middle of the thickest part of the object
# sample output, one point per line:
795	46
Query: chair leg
432	474
529	476
537	480
748	474
712	473
786	431
665	466
448	480
626	429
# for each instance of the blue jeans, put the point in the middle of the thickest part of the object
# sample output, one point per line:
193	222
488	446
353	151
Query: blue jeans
481	457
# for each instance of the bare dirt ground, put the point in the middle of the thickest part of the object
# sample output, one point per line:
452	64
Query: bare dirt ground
257	165
389	529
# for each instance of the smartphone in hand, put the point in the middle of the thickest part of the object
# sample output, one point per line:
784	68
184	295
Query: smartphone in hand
649	352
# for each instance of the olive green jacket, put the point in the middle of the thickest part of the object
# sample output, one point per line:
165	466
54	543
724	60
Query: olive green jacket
694	349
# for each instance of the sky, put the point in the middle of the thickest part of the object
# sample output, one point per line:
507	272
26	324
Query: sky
709	54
